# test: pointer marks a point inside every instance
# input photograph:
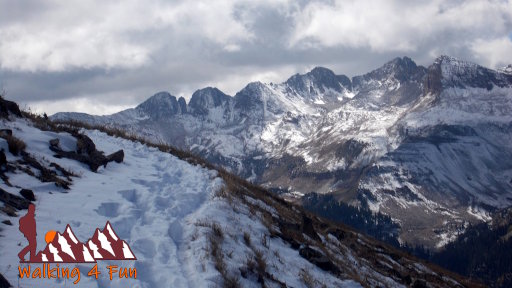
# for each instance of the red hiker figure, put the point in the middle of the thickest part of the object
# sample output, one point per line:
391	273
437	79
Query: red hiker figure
28	228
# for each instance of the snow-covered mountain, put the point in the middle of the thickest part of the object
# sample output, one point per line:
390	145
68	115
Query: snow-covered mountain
428	146
188	224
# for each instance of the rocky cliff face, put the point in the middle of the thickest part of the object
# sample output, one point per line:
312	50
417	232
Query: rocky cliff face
429	146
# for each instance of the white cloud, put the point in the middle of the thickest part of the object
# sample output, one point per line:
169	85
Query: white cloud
401	26
495	53
89	34
93	106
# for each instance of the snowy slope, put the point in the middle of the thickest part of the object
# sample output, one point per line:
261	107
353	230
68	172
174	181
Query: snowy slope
142	198
442	132
174	215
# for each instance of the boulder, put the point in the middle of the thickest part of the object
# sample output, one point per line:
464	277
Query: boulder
307	227
4	282
13	200
8	107
93	158
3	159
117	156
84	144
28	194
317	258
5	132
55	142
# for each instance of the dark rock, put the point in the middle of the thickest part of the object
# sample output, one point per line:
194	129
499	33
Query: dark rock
7	222
308	229
4	283
432	82
117	156
45	175
13	200
290	232
28	194
350	149
419	284
54	142
3	159
338	233
86	153
5	132
182	105
289	239
9	210
8	107
62	170
84	144
288	226
318	258
407	279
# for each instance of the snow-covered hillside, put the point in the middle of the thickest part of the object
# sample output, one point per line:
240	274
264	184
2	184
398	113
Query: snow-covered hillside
188	226
441	134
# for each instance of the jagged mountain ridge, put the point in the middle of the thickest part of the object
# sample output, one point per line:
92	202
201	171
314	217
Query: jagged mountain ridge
398	138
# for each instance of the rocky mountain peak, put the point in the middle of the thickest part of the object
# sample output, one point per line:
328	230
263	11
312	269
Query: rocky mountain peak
460	73
506	70
318	81
250	96
395	83
401	69
160	106
446	59
204	99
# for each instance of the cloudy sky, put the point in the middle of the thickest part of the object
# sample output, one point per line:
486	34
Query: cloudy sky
103	56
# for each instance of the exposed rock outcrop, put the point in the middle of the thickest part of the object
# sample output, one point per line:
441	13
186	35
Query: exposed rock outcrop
86	152
12	200
28	194
8	107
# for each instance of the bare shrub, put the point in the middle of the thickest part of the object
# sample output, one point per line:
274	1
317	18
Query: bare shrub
215	250
264	240
307	278
247	239
261	262
217	230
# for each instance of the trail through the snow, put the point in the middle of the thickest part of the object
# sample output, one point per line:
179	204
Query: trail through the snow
147	198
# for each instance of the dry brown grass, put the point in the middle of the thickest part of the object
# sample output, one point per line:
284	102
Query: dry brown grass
16	145
215	239
307	279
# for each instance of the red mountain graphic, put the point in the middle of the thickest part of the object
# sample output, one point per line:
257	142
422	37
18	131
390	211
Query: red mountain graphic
66	248
106	245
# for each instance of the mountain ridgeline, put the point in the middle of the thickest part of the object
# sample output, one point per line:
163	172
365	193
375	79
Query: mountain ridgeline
427	146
